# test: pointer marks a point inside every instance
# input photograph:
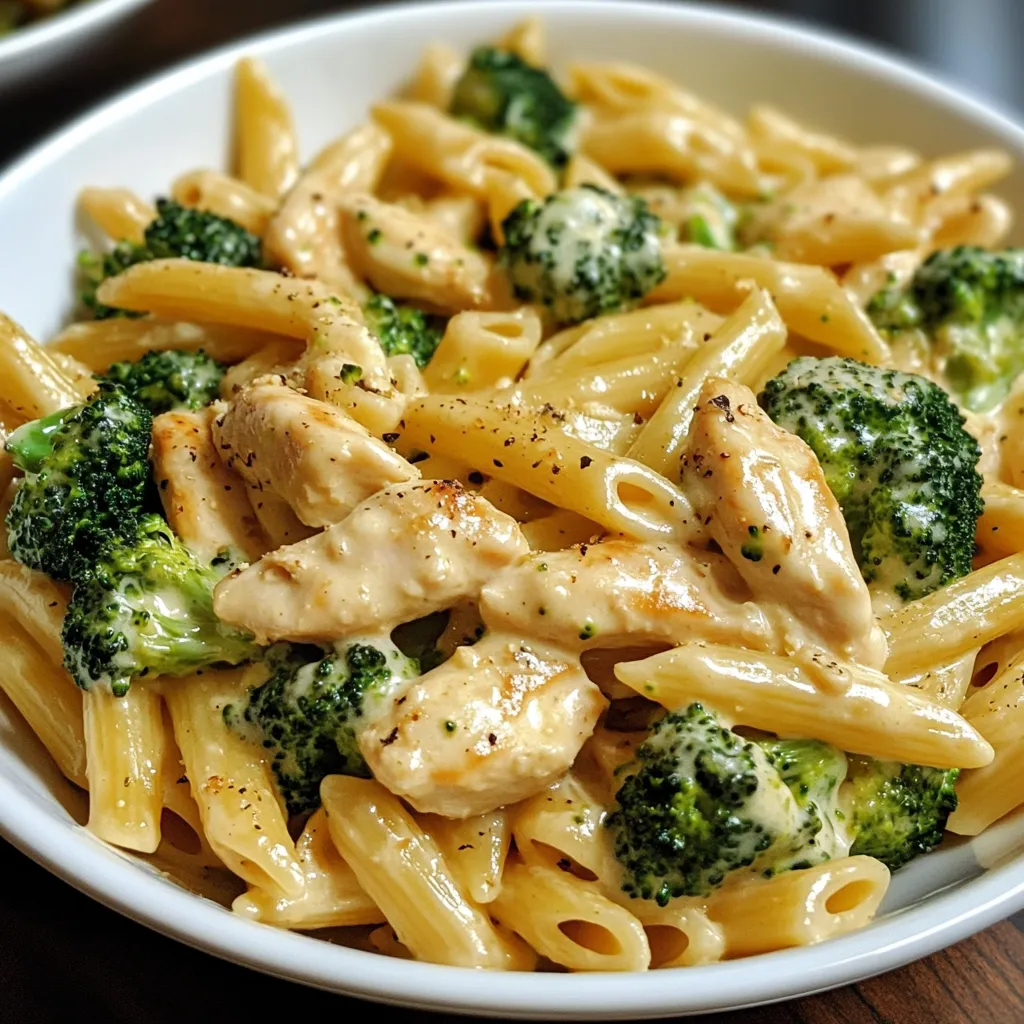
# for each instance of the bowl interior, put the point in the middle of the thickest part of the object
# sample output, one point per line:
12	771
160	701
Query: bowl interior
331	72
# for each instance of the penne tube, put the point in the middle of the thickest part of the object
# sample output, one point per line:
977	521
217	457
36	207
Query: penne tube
483	350
124	743
996	709
434	81
404	872
967	614
798	908
225	196
854	708
945	684
474	848
527	449
744	342
261	299
528	40
1000	530
826	153
33	384
562	529
680	935
563	828
266	150
118	212
46	697
232	782
634	384
608	338
97	344
332	896
809	299
37	604
581	170
472	161
569	922
304	235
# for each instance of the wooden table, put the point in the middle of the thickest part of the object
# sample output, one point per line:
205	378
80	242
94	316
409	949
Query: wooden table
59	949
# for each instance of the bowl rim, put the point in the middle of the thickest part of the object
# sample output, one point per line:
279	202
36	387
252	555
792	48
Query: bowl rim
98	870
59	25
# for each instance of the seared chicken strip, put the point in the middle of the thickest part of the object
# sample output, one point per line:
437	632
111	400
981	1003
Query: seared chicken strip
204	501
409	256
764	500
310	453
407	551
620	593
495	724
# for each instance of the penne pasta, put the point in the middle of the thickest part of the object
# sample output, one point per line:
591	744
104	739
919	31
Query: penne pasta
403	871
569	922
266	149
530	451
225	196
964	615
855	708
330	898
474	848
809	300
120	214
743	343
231	782
34	385
798	908
124	743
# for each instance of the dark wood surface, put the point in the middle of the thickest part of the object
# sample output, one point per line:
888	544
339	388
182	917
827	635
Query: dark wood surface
61	953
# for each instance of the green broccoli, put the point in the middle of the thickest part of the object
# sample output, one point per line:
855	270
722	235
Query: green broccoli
403	329
163	381
897	458
309	711
712	220
86	473
146	608
812	771
177	231
502	94
969	304
897	811
704	802
582	252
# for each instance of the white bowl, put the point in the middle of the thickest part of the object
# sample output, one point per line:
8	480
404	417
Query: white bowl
332	69
31	52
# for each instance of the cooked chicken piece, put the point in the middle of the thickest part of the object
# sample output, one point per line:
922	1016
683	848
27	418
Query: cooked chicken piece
495	724
318	459
619	593
204	501
764	499
409	256
407	551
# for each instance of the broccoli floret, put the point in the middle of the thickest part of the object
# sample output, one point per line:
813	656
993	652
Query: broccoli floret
177	231
897	811
704	802
712	219
897	458
309	711
812	771
163	381
402	329
146	608
969	303
583	252
502	94
94	268
86	472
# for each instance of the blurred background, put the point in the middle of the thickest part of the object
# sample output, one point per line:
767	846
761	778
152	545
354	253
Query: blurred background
973	42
